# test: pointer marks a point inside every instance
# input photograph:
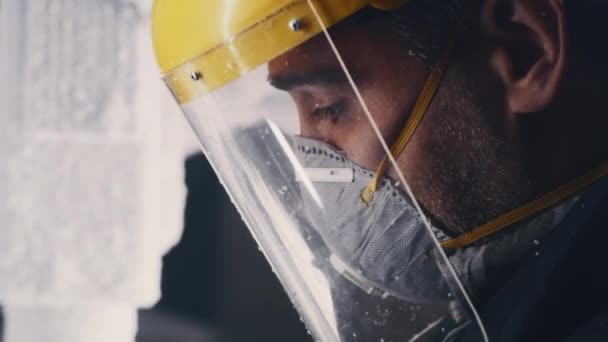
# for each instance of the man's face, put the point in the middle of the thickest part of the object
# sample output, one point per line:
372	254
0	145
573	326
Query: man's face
329	110
451	162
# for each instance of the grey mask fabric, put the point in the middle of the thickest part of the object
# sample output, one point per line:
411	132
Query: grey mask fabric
383	247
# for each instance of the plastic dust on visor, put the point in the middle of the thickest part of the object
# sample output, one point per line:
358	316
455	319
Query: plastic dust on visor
295	145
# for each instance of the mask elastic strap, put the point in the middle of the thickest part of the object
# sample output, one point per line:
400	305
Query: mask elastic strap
530	209
422	105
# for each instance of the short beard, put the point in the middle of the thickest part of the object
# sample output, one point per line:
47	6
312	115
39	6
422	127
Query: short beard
474	169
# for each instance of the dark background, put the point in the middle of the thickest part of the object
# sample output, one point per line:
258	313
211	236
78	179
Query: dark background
216	284
217	276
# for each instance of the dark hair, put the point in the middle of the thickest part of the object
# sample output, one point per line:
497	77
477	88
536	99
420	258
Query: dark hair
424	25
427	25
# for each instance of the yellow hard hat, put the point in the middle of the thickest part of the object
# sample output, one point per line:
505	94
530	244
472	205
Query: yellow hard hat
220	40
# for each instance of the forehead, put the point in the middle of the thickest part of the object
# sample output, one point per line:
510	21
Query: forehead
305	58
354	41
362	46
315	53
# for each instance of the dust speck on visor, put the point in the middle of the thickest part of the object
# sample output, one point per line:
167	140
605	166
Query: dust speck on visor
355	270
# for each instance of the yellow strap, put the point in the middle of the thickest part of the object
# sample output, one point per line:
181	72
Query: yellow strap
423	103
531	208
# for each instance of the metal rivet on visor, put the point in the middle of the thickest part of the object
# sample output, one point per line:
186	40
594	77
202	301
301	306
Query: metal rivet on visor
295	24
196	76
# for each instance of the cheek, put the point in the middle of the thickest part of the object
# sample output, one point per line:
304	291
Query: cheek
362	145
390	109
390	113
391	98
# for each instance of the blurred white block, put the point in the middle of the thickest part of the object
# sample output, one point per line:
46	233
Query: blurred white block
71	324
92	150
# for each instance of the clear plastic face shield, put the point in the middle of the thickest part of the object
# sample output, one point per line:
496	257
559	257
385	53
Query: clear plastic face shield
304	149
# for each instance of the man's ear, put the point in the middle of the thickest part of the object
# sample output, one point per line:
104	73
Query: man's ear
529	50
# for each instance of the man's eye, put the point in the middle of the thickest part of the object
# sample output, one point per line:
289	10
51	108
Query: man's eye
331	112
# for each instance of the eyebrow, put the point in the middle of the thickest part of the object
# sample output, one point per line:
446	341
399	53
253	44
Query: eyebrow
322	77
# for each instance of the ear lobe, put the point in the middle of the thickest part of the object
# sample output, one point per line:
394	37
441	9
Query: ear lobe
529	53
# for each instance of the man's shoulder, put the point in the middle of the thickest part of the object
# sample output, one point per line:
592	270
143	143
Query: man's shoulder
595	330
561	290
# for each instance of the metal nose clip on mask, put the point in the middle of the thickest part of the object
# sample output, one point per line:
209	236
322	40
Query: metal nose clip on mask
382	247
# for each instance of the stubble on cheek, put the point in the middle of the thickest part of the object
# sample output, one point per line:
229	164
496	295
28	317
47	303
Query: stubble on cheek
463	165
